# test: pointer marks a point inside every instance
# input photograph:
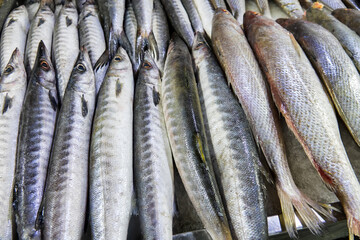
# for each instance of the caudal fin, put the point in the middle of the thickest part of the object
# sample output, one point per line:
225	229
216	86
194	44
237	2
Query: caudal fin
353	225
304	207
144	43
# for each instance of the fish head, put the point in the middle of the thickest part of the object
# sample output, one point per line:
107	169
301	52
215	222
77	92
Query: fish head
224	19
316	13
14	73
254	23
43	70
149	68
120	61
287	22
82	76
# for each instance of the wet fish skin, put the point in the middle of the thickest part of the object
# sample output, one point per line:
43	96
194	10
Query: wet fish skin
12	91
182	110
235	149
306	3
206	13
245	77
349	17
36	128
80	4
334	67
41	29
65	44
238	9
352	4
111	152
193	14
300	97
161	32
14	35
32	7
66	183
347	37
264	7
332	4
5	8
153	166
179	20
130	25
218	4
291	7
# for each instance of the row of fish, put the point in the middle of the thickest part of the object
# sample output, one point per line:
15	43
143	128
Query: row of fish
76	126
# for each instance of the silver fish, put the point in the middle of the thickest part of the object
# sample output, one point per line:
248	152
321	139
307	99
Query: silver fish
332	4
37	124
58	6
193	14
67	181
14	35
234	146
238	9
111	152
65	45
153	165
32	7
291	7
206	13
131	31
12	91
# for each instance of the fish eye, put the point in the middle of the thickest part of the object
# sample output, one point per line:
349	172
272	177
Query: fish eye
225	11
8	69
44	65
118	58
199	45
81	67
147	65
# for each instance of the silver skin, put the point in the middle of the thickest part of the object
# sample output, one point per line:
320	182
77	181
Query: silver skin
12	91
300	97
206	13
291	7
130	25
185	128
349	17
334	67
32	7
179	20
243	72
67	181
37	124
65	44
160	29
153	166
58	6
264	7
5	7
333	4
347	37
14	35
41	29
238	9
80	4
193	14
111	152
234	147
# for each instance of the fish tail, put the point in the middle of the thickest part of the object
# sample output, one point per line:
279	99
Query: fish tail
153	46
304	207
124	42
353	225
146	42
102	61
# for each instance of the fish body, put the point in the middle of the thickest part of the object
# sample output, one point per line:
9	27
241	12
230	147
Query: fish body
36	128
300	97
41	29
264	7
66	184
243	72
32	7
130	25
179	20
5	7
193	14
12	91
238	9
206	12
65	44
291	7
334	67
80	4
349	17
161	32
14	35
153	165
218	4
234	147
111	152
332	4
352	4
347	37
187	138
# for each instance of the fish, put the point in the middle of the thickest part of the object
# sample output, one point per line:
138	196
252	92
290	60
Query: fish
333	66
12	91
218	4
32	7
185	128
65	45
145	38
238	9
80	4
112	12
41	29
246	78
264	7
302	100
130	25
5	8
58	6
206	13
36	129
179	20
193	14
111	152
352	4
349	17
92	38
234	146
161	32
291	7
306	3
332	4
64	203
347	37
153	164
14	35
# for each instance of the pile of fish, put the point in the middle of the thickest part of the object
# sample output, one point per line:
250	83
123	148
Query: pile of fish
98	99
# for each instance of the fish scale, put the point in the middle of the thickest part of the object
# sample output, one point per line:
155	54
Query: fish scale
206	13
14	35
111	152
